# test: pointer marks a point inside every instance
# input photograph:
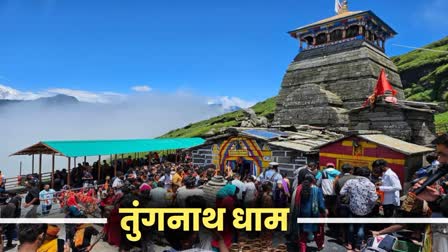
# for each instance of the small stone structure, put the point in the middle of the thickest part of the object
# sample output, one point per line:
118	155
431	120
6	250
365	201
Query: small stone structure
254	148
402	121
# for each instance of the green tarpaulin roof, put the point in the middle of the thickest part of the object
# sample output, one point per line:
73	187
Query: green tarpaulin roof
108	147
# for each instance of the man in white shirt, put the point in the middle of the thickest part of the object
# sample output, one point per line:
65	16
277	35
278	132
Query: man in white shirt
186	191
159	196
391	186
46	197
241	186
118	181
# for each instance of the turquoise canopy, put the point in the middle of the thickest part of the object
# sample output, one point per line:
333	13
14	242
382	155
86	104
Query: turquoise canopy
109	147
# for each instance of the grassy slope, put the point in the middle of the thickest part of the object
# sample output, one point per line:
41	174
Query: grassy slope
425	73
265	108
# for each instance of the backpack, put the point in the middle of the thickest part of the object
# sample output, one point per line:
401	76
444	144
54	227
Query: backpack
382	243
327	184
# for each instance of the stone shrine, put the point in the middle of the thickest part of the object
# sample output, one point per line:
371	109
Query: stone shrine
336	70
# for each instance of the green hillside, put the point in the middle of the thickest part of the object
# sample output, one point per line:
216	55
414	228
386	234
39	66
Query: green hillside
265	108
424	73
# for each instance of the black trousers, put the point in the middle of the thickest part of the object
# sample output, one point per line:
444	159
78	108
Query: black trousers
389	210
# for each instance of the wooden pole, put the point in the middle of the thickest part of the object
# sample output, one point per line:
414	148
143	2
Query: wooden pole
99	167
122	162
40	168
115	166
20	171
85	159
68	172
52	171
32	164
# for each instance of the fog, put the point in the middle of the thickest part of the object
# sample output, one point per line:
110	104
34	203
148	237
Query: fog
137	116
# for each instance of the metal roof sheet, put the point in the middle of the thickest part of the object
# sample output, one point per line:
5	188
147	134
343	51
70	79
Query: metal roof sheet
264	134
396	144
79	148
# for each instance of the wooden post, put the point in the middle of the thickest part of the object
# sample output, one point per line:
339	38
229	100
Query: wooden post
115	166
32	164
122	163
85	159
314	40
68	172
52	171
40	168
74	162
20	171
99	168
344	33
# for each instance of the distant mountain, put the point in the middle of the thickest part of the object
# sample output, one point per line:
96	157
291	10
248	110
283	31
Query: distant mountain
56	100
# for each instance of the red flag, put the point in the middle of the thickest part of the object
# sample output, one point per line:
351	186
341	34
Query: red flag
383	85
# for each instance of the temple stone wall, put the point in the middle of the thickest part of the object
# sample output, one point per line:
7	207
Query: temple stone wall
202	156
348	71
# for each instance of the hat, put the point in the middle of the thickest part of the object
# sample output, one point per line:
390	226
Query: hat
53	230
273	164
217	181
330	165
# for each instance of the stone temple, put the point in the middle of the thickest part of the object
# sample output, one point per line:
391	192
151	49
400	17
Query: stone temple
336	70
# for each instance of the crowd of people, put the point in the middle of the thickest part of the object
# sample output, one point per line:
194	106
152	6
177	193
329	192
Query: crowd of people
313	191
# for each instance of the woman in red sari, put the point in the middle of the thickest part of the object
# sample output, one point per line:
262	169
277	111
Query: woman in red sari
226	198
112	228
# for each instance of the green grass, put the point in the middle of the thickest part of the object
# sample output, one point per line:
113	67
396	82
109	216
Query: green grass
425	72
420	58
441	119
232	119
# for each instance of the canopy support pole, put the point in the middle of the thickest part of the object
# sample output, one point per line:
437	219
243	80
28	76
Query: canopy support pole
32	164
99	167
85	159
68	172
122	163
40	168
115	166
52	171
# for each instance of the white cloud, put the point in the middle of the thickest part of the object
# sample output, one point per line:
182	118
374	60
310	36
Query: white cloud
435	13
143	88
101	118
228	103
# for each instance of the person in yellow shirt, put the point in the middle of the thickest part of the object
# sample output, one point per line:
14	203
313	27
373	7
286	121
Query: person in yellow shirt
52	243
178	177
